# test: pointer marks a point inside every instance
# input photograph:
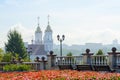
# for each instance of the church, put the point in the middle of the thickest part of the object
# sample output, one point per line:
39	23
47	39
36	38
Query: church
42	45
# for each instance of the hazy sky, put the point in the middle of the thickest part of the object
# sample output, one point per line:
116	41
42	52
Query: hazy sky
81	21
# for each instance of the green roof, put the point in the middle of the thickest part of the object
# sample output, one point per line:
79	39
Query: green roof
48	29
38	30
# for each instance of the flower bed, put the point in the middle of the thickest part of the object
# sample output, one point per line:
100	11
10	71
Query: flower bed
59	75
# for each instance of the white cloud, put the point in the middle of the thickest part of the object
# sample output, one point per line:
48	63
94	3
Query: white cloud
94	21
3	38
106	36
27	33
74	37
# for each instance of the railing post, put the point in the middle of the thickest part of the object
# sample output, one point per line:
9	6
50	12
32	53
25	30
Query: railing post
38	63
43	63
87	57
113	58
51	60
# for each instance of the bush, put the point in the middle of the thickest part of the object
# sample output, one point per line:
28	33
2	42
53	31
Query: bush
23	67
16	67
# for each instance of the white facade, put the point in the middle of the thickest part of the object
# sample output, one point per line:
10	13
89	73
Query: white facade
38	36
48	41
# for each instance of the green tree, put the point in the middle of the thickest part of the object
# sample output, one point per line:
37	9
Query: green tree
69	54
15	44
1	54
1	51
7	57
70	57
100	52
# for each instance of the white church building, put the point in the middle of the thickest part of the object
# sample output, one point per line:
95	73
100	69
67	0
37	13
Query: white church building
42	45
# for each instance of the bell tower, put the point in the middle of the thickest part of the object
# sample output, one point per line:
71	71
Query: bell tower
38	34
48	40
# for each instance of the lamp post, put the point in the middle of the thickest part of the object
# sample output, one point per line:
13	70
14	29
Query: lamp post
61	40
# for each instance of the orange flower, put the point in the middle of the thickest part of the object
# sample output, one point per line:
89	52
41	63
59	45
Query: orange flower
58	75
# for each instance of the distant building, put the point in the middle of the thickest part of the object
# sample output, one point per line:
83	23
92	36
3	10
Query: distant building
115	42
93	44
41	45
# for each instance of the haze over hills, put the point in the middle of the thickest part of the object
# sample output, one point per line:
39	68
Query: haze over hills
79	49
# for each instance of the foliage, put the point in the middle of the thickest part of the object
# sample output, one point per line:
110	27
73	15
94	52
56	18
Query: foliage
1	54
15	44
16	67
7	57
100	52
26	60
69	54
1	51
70	57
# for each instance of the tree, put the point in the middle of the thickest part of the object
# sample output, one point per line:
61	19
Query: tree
15	44
69	54
7	57
1	51
100	58
70	57
1	54
100	52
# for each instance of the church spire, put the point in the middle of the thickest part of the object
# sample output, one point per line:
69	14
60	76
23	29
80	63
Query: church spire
38	20
38	30
38	34
48	29
32	40
48	18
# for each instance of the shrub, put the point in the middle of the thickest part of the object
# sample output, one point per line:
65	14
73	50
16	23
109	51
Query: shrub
23	67
16	67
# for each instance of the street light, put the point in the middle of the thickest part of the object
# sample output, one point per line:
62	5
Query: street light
61	40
